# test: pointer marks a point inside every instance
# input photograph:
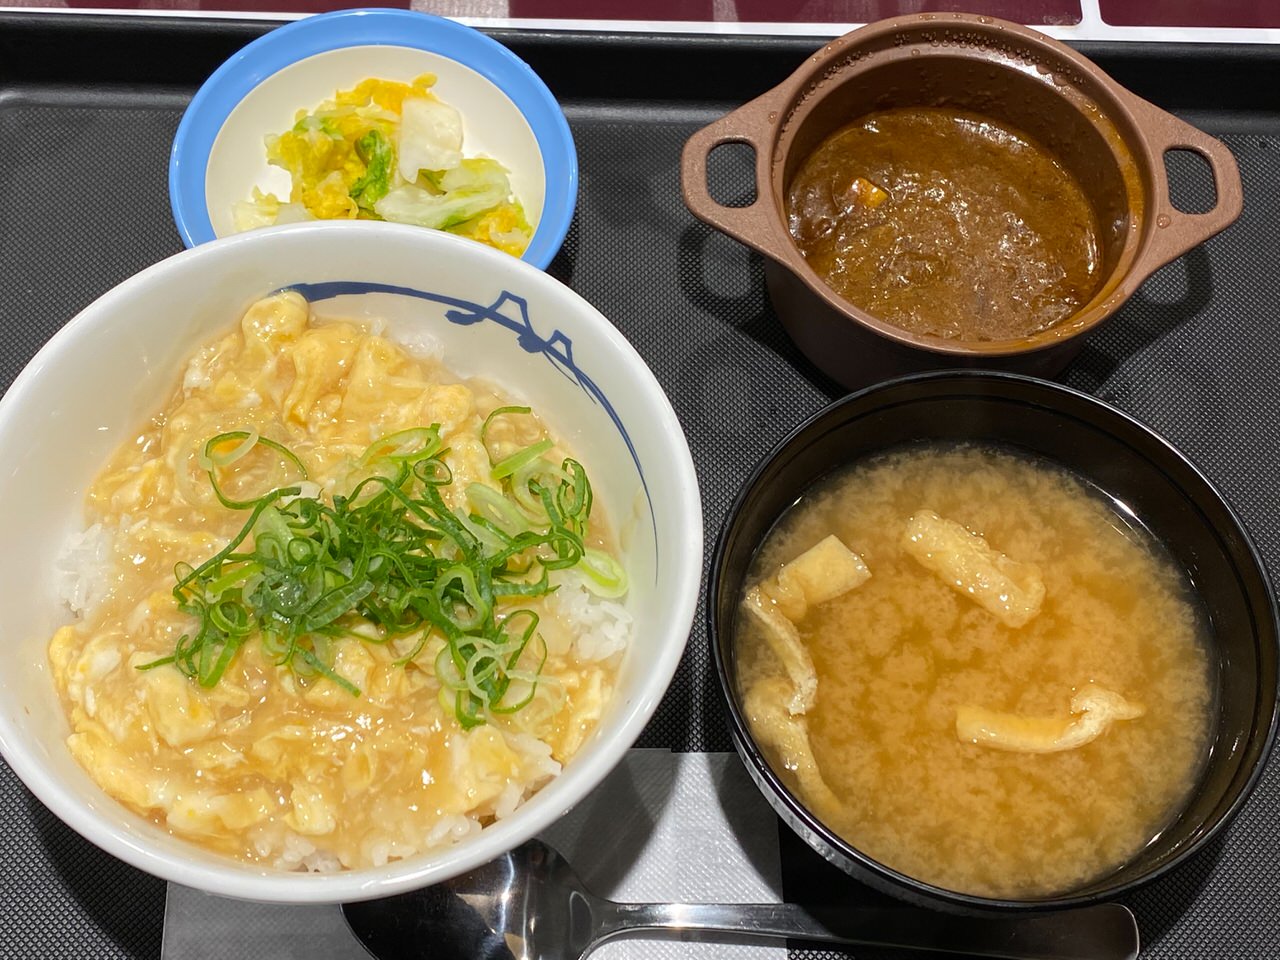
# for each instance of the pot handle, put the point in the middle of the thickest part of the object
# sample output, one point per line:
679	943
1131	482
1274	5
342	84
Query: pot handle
1177	232
755	224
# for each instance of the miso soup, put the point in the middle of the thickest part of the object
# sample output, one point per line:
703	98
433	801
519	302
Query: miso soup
993	679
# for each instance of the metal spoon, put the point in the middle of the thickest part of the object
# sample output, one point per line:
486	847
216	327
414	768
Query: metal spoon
530	905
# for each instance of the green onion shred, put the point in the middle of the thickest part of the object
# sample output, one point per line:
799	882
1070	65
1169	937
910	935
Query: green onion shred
391	554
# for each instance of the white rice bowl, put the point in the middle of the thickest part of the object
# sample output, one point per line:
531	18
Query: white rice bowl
489	315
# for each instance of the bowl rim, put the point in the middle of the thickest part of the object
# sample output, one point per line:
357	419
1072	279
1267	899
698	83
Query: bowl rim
298	40
814	830
225	876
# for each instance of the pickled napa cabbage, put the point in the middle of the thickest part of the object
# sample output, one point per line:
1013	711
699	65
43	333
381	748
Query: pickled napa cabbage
385	150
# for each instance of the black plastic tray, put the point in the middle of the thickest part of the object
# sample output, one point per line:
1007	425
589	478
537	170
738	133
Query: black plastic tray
88	106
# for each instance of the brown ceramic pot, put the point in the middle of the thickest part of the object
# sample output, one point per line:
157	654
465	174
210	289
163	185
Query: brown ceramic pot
1110	140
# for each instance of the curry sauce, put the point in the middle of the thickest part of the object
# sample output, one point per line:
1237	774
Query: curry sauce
947	223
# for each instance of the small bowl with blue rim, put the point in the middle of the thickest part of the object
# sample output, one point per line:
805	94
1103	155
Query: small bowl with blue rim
219	156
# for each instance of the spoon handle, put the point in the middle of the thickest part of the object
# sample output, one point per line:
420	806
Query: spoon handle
1101	932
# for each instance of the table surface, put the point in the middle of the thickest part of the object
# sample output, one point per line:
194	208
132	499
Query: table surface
1185	356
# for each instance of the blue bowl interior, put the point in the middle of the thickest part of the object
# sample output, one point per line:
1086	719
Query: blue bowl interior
228	85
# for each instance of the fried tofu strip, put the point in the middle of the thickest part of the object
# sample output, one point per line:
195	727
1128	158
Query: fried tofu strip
1009	590
784	640
788	737
825	571
1093	710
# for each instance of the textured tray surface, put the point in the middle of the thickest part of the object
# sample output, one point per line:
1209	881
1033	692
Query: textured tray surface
1195	355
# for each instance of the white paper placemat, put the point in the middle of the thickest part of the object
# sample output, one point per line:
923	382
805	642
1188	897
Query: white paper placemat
662	826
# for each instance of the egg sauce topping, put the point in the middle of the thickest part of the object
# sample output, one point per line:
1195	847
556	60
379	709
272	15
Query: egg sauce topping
369	744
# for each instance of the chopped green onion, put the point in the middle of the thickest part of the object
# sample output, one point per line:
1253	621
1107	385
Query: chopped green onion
251	439
496	508
529	479
604	576
392	560
416	443
509	465
488	422
209	459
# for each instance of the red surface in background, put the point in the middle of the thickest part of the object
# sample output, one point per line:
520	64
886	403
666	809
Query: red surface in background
795	11
1125	13
762	11
1191	13
1121	13
273	6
